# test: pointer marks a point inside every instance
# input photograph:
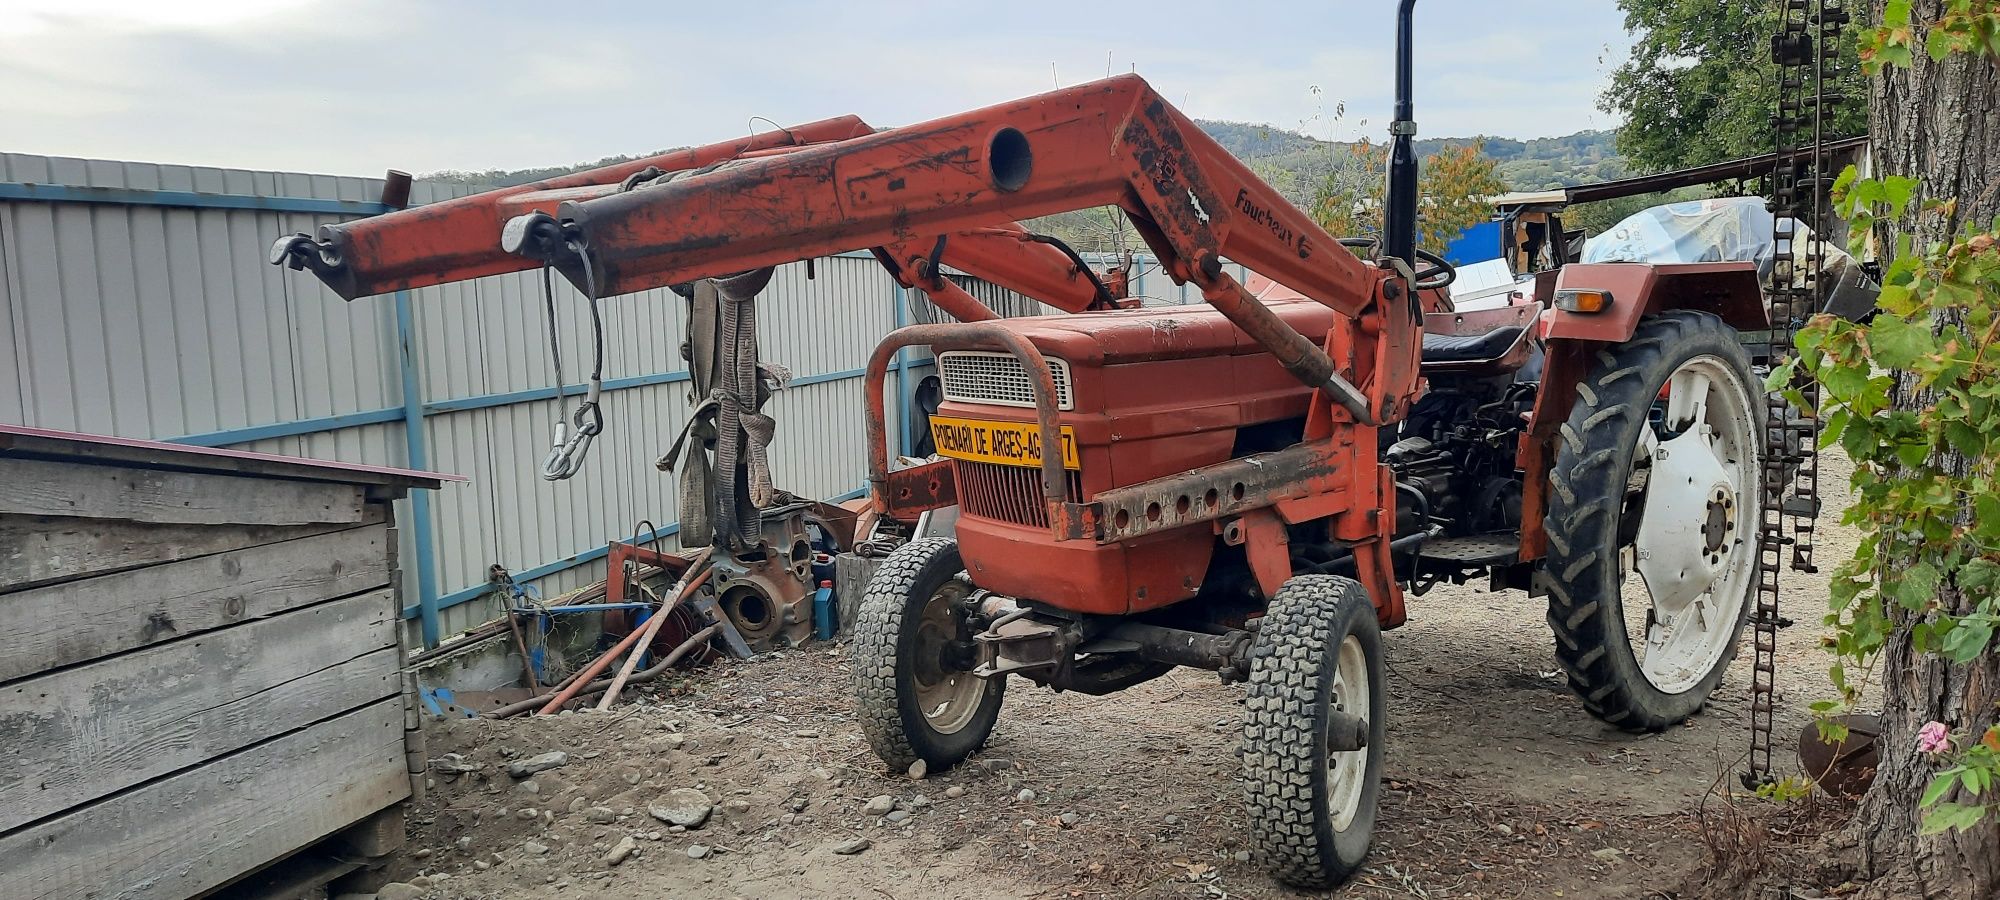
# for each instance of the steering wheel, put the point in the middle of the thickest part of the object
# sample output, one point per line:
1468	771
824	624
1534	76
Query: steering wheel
1440	273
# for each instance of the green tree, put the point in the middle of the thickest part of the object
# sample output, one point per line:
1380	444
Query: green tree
1700	86
1456	185
1914	398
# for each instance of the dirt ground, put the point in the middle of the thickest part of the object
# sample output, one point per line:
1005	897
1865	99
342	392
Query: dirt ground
1499	785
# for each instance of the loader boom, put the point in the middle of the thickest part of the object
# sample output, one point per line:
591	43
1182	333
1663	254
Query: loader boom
1114	142
459	239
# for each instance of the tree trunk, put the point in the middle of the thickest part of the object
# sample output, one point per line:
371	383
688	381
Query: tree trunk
1938	122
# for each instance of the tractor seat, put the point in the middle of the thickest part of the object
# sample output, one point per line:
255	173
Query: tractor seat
1469	347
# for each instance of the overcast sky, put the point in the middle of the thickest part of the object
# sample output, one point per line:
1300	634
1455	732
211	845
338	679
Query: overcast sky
359	86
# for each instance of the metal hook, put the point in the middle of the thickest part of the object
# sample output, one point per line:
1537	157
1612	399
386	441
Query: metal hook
571	443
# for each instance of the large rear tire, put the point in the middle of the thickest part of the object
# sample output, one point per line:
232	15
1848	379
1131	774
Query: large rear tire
913	686
1652	518
1317	659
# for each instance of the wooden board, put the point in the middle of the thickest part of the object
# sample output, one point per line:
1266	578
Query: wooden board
181	835
43	488
81	620
87	731
151	455
38	550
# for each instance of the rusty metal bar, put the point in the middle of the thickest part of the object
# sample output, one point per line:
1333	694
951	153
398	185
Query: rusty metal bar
1211	492
1296	352
968	336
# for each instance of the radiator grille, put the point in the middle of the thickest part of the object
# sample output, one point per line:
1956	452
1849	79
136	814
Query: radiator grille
976	376
1008	493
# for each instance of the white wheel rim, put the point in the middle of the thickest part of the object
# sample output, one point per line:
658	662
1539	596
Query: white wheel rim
1695	480
949	699
1347	770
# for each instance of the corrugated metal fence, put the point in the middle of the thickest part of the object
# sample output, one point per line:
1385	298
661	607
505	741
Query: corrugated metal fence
139	303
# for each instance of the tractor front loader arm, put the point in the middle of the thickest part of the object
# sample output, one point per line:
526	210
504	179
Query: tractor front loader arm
1112	142
459	239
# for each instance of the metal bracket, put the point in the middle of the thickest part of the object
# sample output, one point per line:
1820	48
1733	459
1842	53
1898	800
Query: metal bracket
1209	493
1019	644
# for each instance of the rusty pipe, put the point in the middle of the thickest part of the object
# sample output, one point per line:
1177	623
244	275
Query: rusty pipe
642	676
623	645
673	658
651	628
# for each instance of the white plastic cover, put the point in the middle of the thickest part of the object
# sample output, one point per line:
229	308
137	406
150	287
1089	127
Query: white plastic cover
1726	229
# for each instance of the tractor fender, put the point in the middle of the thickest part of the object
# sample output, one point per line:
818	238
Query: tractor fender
1730	290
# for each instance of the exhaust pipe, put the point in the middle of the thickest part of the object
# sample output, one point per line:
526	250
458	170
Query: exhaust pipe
1399	217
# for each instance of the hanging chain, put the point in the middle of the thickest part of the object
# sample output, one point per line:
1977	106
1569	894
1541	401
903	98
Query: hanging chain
1806	50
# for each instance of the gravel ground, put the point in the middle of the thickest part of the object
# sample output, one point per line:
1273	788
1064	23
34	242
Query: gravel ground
1499	785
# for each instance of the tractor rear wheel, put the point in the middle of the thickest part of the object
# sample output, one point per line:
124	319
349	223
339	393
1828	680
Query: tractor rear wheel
1313	729
1652	521
913	682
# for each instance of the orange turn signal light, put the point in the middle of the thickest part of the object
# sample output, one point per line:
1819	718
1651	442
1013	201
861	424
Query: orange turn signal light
1583	301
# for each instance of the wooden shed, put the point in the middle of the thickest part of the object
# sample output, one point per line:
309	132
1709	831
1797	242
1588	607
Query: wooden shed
201	670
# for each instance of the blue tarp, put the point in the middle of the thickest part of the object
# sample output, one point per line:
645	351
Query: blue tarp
1478	244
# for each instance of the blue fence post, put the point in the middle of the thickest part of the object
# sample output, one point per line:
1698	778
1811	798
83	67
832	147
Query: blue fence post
420	500
903	380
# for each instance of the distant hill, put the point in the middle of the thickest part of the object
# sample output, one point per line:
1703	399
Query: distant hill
499	178
1529	165
1299	162
1293	163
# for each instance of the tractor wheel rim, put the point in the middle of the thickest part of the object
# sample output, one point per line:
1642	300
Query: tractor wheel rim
1347	770
947	696
1695	547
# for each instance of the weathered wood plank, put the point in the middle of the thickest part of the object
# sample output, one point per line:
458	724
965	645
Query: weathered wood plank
179	836
43	488
81	620
88	731
38	550
173	456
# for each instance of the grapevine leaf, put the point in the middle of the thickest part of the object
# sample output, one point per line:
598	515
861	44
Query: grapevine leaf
1897	190
1948	816
1968	640
1965	439
1830	432
1940	786
1917	587
1845	382
1897	344
1978	575
1986	517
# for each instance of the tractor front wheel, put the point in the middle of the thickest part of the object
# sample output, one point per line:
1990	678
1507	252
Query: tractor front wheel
1313	729
913	686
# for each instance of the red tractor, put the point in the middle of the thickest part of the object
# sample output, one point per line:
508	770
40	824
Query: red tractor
1247	489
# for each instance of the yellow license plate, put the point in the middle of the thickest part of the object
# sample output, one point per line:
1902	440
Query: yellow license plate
1006	443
